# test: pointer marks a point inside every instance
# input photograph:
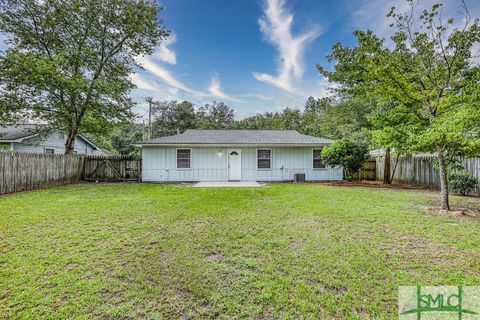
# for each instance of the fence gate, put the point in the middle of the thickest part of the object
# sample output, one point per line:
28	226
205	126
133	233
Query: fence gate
112	168
368	172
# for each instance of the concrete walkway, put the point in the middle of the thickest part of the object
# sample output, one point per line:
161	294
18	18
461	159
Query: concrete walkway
227	184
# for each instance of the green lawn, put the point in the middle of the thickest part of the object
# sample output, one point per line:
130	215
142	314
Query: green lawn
282	251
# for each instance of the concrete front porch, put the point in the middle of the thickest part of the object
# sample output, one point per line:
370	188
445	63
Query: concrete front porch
228	184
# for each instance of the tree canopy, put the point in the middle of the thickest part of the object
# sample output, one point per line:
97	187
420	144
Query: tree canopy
68	61
347	153
425	81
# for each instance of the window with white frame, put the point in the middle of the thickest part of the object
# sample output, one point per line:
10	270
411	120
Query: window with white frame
317	159
49	151
183	158
264	159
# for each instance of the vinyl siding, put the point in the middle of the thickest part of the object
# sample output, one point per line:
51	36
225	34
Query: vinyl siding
211	164
53	141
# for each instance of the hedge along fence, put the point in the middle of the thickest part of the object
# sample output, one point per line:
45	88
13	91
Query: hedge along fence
421	170
29	171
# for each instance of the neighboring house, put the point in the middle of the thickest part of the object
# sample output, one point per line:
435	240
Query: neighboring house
21	139
221	155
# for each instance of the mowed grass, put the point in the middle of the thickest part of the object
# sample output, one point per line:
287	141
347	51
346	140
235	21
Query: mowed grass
124	251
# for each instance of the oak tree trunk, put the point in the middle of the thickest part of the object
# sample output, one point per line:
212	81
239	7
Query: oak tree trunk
386	168
70	144
444	204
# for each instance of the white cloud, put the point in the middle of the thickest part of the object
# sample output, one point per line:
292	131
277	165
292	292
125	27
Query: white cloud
164	53
152	65
216	90
144	84
166	76
276	25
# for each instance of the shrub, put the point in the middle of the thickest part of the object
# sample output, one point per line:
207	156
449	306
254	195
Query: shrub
347	153
462	182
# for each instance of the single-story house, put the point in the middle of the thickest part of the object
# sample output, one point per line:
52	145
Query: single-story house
20	138
235	155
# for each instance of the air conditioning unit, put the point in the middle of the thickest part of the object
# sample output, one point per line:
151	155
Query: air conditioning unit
299	177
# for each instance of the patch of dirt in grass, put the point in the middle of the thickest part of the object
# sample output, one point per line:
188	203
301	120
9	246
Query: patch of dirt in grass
459	213
265	314
214	257
337	290
313	224
418	247
297	245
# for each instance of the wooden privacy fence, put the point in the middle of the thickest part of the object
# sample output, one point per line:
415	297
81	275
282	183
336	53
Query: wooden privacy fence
421	170
112	168
368	172
28	171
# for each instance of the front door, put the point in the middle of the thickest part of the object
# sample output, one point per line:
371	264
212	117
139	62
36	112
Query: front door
234	164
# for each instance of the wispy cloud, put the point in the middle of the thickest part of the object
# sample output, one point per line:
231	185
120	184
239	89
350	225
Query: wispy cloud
216	90
164	53
154	68
143	83
276	25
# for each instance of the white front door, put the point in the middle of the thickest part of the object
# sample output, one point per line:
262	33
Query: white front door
234	164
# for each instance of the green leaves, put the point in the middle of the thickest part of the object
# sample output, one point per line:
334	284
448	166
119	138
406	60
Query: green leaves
69	61
347	153
425	81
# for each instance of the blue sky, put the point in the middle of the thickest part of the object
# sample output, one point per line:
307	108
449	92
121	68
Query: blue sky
245	53
257	55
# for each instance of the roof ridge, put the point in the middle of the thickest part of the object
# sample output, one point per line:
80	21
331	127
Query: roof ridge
239	136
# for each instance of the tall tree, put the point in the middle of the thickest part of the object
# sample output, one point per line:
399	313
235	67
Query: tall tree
342	117
172	116
287	119
426	73
217	115
69	61
124	136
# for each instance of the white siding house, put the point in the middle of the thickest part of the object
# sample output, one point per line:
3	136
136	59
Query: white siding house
223	155
20	138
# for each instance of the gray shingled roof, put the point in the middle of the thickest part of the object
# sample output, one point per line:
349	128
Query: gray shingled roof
12	132
253	137
15	131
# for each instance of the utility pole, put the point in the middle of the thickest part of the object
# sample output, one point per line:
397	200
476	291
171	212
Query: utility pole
150	101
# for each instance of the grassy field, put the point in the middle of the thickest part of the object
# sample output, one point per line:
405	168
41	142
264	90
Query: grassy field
282	251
